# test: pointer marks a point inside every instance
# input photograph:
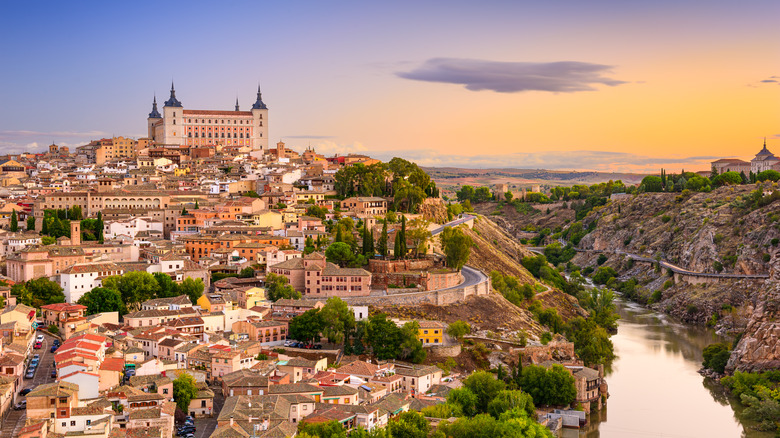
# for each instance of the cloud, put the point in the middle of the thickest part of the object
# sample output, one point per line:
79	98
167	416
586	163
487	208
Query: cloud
6	135
331	147
770	80
312	137
514	77
603	161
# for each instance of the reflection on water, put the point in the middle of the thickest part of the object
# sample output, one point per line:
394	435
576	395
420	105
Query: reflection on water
655	390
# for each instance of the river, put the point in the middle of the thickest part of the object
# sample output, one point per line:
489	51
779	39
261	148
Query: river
654	387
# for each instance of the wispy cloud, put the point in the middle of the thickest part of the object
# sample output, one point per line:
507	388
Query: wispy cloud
514	77
604	161
769	80
7	135
312	137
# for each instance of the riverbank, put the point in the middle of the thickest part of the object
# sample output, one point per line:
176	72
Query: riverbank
655	387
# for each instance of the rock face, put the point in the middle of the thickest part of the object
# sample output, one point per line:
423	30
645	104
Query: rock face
759	348
434	210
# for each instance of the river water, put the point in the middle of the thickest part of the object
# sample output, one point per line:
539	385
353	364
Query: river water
655	390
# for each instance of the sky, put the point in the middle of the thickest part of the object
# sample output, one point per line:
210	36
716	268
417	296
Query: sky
624	86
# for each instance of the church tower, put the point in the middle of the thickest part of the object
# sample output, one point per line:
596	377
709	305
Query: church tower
260	124
173	120
154	117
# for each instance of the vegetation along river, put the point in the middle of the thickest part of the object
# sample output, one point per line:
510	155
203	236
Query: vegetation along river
655	389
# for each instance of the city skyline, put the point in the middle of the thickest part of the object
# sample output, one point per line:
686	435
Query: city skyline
603	86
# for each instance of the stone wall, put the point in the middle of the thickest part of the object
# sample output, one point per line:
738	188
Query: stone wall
388	266
437	297
423	280
437	351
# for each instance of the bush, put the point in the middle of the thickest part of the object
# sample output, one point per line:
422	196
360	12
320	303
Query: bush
603	274
545	338
53	329
666	218
655	297
716	356
601	260
718	266
766	258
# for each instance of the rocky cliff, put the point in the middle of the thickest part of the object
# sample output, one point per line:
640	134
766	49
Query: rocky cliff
759	347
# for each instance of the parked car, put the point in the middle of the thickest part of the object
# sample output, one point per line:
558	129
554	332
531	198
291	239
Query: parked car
318	346
25	391
38	345
57	342
30	374
21	405
189	419
39	338
289	343
36	357
53	374
54	348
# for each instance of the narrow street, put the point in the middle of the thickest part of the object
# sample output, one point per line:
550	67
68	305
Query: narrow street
205	426
14	420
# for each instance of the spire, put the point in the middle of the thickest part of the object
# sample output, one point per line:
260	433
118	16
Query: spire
173	101
259	102
154	114
236	104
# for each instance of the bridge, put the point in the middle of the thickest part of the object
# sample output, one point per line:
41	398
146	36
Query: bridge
695	276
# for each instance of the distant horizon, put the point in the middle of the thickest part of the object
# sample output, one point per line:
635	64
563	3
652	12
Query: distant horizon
559	85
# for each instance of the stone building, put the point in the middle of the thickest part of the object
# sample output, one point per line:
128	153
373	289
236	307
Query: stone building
179	126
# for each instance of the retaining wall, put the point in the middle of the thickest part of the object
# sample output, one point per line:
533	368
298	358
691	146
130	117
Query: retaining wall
444	350
388	266
436	297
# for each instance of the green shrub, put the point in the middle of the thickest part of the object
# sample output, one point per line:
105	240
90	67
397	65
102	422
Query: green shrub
656	297
716	356
666	218
545	338
766	258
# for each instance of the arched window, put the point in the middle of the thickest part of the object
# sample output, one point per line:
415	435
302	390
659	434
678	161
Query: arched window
189	134
174	114
174	121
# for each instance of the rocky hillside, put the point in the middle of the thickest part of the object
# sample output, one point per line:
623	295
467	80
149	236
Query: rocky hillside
724	231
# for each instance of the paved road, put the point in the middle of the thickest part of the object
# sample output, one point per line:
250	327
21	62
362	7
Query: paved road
205	426
454	223
14	420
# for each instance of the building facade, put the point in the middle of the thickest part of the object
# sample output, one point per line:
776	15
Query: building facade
179	126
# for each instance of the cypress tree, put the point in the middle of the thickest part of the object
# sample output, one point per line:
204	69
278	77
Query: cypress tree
397	247
14	222
99	227
364	238
196	205
371	250
31	223
339	237
403	236
45	226
383	240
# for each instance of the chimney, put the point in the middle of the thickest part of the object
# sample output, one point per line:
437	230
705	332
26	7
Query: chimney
231	420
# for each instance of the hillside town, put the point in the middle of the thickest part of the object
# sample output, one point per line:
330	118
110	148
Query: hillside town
198	283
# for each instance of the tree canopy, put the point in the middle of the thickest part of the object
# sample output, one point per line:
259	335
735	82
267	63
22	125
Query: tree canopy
101	299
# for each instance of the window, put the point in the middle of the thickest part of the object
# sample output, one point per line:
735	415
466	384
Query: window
72	423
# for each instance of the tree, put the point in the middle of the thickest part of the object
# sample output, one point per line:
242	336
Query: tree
485	387
278	287
411	346
508	196
53	329
329	429
458	328
384	337
31	223
14	222
39	292
482	194
192	288
466	193
99	227
184	390
339	253
135	287
652	183
197	207
316	211
307	327
552	387
397	254
168	288
45	225
768	175
419	235
409	424
101	299
338	319
247	272
382	244
402	240
457	247
465	401
507	400
48	240
716	356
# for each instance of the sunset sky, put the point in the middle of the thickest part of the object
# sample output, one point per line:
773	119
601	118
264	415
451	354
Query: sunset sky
603	85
